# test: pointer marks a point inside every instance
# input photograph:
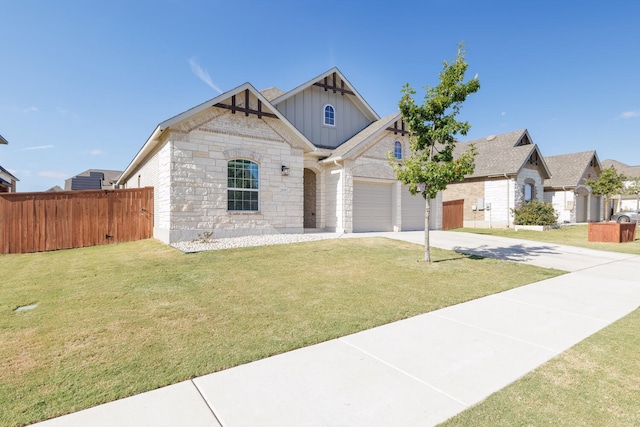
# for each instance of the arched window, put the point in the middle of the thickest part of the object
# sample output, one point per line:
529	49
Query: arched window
397	150
242	185
329	115
529	190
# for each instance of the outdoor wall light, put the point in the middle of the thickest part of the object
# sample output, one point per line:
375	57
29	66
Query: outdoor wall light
285	170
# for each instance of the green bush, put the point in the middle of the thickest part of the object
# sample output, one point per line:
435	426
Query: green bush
535	213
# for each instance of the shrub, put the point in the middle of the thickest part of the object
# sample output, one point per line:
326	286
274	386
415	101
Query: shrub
535	213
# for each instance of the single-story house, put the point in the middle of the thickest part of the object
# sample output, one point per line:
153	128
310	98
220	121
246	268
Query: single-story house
624	202
261	162
509	171
566	189
7	180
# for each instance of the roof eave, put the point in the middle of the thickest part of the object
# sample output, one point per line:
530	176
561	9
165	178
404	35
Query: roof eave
154	138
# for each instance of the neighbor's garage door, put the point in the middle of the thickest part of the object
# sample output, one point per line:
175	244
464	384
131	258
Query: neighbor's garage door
412	210
372	206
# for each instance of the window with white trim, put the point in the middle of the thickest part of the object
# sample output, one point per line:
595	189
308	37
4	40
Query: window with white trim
397	150
329	115
242	185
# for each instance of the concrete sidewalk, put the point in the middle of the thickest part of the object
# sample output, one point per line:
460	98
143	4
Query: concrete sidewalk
417	372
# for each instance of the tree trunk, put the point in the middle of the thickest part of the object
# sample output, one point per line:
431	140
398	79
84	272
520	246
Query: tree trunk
427	248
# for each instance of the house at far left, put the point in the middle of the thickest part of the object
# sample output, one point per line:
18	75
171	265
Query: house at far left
7	180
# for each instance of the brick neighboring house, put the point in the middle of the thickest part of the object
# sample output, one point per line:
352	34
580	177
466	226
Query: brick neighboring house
509	171
7	180
260	162
624	202
566	188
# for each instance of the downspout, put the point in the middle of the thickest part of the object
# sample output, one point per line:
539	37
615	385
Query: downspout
564	192
508	215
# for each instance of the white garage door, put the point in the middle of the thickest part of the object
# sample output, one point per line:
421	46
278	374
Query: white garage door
412	210
372	204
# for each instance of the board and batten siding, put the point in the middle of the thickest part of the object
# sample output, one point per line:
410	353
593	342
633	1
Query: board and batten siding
305	111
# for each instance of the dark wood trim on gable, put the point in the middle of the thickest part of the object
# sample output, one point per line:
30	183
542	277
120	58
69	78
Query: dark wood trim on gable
334	86
402	131
246	110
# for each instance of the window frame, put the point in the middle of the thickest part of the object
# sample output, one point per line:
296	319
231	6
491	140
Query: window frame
397	150
532	187
332	116
245	185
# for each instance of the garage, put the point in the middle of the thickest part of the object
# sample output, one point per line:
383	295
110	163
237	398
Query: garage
412	210
372	206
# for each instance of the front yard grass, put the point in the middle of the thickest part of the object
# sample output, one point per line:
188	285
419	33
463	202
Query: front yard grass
574	235
594	383
113	321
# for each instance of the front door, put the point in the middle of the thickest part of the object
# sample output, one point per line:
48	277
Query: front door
309	199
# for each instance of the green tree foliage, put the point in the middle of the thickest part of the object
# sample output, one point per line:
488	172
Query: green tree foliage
535	212
608	183
433	126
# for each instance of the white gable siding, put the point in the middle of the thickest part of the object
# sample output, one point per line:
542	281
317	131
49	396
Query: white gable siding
305	111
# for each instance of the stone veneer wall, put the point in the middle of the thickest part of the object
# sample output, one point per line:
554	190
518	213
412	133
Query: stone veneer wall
198	188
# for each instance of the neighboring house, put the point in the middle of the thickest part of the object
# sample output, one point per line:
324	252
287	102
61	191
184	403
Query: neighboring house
249	162
624	202
7	180
566	188
509	171
93	179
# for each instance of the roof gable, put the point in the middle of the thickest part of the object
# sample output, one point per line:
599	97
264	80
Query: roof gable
236	100
359	142
2	140
332	80
504	154
567	170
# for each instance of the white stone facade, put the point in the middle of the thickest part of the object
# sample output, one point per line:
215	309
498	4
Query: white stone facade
187	157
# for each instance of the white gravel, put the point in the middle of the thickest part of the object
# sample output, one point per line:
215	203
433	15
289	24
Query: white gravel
200	245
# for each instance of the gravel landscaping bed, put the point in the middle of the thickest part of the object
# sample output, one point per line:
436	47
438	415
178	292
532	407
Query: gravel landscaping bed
245	241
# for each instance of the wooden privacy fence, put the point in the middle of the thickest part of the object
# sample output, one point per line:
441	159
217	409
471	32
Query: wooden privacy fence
36	222
452	214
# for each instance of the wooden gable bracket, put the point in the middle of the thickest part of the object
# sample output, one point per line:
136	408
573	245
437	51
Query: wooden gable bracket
402	131
246	110
333	86
534	159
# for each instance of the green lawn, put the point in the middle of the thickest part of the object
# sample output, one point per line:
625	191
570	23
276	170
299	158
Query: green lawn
575	235
113	321
594	383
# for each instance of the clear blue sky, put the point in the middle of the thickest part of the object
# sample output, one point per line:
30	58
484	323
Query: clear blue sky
84	83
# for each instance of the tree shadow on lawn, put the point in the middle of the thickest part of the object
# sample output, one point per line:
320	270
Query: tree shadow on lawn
516	253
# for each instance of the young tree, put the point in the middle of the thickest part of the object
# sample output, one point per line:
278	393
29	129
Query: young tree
433	126
609	183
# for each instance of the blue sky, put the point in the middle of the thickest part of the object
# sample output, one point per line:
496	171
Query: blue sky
84	83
